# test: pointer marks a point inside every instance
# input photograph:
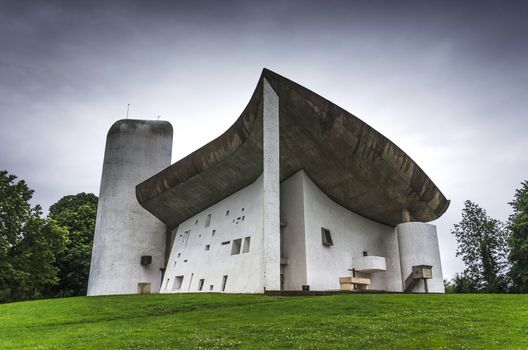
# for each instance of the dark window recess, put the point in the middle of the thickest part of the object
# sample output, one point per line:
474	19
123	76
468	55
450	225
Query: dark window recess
185	260
207	247
225	243
243	217
196	222
327	237
365	253
235	249
224	281
247	241
211	287
213	233
227	212
201	284
242	209
146	260
179	254
208	220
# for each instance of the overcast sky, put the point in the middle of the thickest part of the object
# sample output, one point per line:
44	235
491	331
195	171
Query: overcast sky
447	81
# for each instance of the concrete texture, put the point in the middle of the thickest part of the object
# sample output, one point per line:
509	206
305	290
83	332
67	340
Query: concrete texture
418	245
135	150
271	189
353	164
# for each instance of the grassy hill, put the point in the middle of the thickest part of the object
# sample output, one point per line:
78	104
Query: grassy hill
222	321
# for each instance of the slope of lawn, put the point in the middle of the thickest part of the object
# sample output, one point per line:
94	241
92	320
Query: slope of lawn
223	321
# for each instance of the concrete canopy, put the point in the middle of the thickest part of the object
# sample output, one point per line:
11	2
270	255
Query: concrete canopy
352	163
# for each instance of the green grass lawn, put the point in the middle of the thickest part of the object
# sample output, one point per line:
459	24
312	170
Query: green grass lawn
223	321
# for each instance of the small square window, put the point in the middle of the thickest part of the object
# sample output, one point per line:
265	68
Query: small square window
365	253
235	248
178	281
207	247
247	241
211	287
326	237
227	212
242	209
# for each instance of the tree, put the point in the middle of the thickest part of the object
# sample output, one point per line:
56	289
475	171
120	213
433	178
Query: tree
76	213
518	241
28	244
482	244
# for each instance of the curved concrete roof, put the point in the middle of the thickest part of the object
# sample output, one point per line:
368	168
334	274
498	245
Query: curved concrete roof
351	162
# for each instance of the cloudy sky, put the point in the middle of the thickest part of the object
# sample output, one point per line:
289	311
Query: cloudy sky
447	81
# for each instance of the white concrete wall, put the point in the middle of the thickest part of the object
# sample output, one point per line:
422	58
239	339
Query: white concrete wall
271	188
418	244
351	234
189	257
135	150
294	244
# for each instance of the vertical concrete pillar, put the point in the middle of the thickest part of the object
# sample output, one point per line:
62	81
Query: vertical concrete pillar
124	231
271	188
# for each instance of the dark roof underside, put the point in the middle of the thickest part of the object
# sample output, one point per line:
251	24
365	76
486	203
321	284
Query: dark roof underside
351	162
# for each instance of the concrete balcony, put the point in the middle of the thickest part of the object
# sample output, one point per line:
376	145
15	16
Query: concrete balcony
369	264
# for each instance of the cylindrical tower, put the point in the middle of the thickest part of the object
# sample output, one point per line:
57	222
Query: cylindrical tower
418	245
129	242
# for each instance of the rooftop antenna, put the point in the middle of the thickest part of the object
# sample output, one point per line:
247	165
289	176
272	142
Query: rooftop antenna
128	108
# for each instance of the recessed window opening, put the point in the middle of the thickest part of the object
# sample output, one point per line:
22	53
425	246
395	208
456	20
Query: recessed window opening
185	260
247	241
225	243
242	209
208	220
167	284
179	254
178	281
213	233
201	284
211	287
235	248
243	217
224	281
207	247
196	222
365	253
227	212
175	263
326	237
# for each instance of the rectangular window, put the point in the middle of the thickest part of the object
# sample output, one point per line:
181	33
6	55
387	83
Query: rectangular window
247	241
201	284
167	284
224	281
225	243
208	220
327	237
213	233
211	287
365	253
235	248
178	281
227	212
207	247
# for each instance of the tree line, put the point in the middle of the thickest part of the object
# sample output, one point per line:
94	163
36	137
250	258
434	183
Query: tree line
495	253
43	256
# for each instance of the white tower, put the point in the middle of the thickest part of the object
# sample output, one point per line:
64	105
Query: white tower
129	242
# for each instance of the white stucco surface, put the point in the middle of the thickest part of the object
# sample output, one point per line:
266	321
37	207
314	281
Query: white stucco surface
352	234
235	217
418	244
271	188
135	150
